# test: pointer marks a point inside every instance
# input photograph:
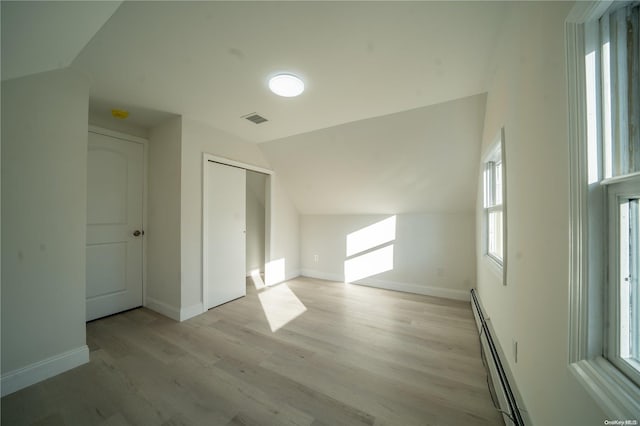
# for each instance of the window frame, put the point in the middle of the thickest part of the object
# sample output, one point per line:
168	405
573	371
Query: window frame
495	154
618	189
614	392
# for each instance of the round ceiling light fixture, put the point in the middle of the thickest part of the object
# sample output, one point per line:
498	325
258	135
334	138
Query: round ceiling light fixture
287	85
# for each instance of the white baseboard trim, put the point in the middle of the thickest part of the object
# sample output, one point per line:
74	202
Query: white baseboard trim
38	371
162	308
289	275
446	293
292	274
311	273
191	311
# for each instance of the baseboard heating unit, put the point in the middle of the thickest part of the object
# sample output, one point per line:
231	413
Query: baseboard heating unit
501	392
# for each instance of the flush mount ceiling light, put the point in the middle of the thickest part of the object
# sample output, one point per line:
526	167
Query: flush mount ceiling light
287	85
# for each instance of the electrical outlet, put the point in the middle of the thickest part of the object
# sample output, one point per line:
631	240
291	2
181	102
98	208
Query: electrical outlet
316	258
514	343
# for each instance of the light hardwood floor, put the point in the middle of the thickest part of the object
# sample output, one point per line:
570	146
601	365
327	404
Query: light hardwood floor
352	356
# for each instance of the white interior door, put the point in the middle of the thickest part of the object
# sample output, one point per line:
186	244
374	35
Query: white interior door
224	233
114	225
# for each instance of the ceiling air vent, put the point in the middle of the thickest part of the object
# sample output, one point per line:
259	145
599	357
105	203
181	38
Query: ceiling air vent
255	118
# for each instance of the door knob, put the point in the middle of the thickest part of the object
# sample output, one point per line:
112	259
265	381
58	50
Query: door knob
137	233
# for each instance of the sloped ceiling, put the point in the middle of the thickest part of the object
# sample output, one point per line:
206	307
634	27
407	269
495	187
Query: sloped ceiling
405	63
42	36
211	60
423	160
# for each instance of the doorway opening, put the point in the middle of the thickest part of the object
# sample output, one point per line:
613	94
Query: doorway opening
255	225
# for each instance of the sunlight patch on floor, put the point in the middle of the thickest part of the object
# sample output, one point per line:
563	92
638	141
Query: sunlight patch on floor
280	306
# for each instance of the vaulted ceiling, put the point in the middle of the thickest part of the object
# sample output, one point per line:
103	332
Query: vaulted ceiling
391	118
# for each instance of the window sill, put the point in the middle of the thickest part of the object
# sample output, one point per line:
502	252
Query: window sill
495	267
618	396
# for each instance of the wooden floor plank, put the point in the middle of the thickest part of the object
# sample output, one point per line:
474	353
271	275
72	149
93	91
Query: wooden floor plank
333	354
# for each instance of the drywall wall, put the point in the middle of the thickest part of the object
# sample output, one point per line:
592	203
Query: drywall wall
197	139
430	253
256	191
174	243
418	164
118	125
44	168
422	160
527	94
162	235
138	122
284	235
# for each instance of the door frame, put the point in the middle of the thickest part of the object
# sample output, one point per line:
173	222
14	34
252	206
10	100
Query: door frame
145	191
206	157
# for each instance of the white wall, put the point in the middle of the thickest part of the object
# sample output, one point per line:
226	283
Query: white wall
199	138
162	235
255	221
44	198
422	160
433	253
527	95
419	164
118	125
284	235
174	242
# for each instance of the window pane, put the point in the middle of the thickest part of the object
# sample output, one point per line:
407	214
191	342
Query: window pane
495	234
489	184
620	38
498	180
629	269
634	269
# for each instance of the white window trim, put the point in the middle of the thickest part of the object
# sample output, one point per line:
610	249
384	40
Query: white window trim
618	396
497	266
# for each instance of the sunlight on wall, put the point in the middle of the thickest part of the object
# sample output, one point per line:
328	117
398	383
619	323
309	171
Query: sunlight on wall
367	262
257	279
274	271
372	236
280	306
366	265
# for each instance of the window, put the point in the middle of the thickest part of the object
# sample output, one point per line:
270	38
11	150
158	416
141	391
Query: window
618	38
603	50
624	266
494	211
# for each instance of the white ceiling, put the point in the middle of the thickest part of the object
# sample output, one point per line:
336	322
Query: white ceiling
211	60
43	36
378	130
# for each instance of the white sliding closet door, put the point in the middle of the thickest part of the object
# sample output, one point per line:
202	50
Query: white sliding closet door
224	233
